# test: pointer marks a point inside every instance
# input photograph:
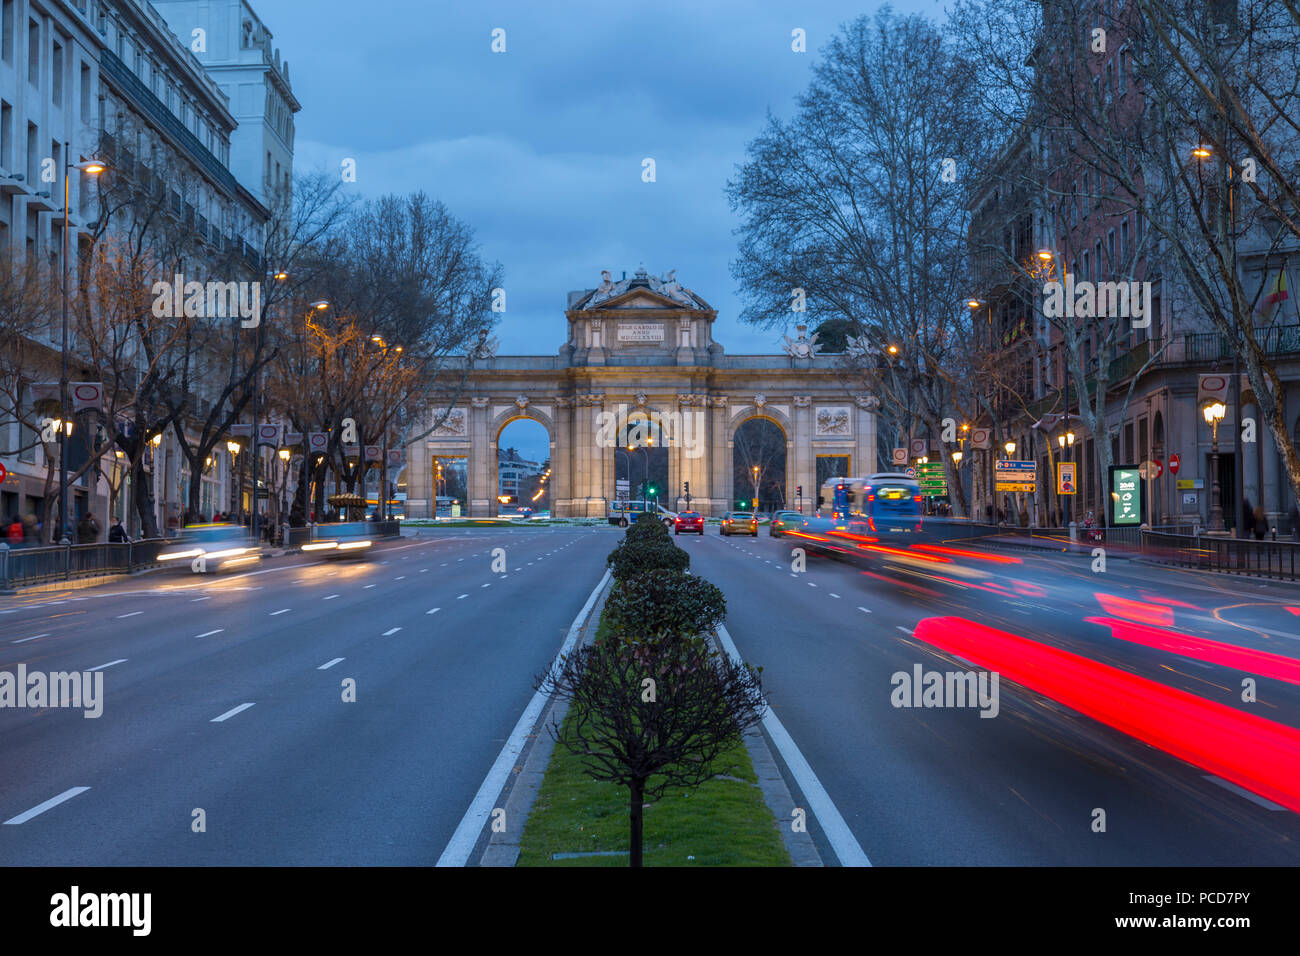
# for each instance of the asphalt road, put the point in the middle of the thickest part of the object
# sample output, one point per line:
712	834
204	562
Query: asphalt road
225	694
926	786
442	649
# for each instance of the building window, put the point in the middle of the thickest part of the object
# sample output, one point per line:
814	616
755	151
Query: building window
1110	250
56	84
7	25
86	90
33	53
1121	73
1087	276
1123	240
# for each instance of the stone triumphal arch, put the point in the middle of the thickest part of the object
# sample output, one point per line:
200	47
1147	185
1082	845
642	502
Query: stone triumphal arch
641	350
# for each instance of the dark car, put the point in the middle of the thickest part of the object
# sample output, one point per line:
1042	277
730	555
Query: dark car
783	521
689	521
739	522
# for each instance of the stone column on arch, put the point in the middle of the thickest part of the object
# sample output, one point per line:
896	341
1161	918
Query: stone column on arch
691	448
866	454
561	464
482	477
804	470
719	454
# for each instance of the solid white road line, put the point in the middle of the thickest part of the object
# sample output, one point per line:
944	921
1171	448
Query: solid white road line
837	832
132	614
47	805
471	825
283	610
328	664
120	660
210	633
230	713
329	597
390	632
34	637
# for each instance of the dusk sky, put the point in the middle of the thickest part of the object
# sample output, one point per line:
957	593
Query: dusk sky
539	149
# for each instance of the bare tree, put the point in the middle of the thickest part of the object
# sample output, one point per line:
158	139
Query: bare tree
856	208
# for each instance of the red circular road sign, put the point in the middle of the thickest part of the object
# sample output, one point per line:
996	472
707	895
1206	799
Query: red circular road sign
3	473
1159	466
1174	462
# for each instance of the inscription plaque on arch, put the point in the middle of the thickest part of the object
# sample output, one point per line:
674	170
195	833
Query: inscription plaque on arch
640	332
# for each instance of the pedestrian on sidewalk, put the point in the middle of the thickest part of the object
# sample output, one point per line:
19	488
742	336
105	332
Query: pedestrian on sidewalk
117	534
88	529
1260	522
15	533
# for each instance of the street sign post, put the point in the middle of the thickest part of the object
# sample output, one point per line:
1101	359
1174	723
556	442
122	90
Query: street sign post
1017	476
1126	495
1065	478
931	479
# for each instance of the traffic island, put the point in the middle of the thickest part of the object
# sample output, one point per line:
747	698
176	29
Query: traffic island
653	772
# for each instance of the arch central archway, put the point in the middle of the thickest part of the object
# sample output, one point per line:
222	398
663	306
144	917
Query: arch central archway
759	464
519	465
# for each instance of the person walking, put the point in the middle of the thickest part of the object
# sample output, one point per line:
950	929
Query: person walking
1247	518
15	533
1261	523
117	534
88	529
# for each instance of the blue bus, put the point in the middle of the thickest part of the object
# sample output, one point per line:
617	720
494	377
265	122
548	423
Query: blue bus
888	502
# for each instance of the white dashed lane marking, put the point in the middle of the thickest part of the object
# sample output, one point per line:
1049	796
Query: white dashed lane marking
120	660
132	614
34	637
230	713
390	632
283	610
210	633
47	805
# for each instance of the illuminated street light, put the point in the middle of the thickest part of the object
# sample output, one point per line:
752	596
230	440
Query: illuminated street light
1202	152
1010	447
1214	413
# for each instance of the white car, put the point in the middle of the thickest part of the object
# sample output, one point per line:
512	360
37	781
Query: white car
211	548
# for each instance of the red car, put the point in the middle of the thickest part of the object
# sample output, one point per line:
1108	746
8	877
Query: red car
689	521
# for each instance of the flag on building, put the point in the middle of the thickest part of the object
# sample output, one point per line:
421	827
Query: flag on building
1274	294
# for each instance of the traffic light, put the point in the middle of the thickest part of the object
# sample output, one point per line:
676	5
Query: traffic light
686	488
798	490
651	491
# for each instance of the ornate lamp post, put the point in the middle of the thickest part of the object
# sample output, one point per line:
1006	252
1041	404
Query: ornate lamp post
1214	413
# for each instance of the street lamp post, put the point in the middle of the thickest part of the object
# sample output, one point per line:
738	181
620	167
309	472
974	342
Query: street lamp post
1010	447
68	166
233	448
1214	413
1202	153
284	455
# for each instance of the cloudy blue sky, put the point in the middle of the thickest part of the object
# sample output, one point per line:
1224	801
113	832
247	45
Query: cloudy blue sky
539	149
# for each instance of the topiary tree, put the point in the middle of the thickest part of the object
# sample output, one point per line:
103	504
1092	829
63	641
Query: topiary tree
664	603
636	555
653	716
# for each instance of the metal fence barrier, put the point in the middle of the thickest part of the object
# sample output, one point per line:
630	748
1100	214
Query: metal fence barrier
1273	559
63	562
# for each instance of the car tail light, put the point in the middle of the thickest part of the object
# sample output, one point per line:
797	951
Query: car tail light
916	497
871	497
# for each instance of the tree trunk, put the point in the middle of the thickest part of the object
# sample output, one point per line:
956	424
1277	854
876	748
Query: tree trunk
634	818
